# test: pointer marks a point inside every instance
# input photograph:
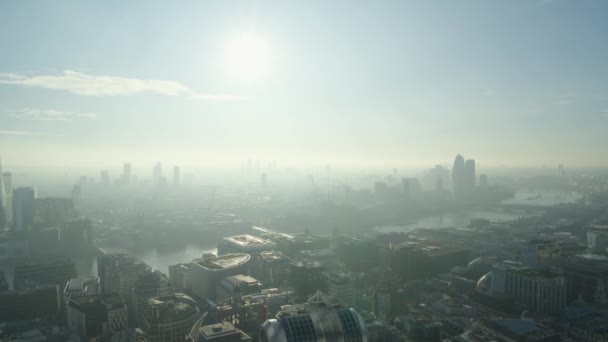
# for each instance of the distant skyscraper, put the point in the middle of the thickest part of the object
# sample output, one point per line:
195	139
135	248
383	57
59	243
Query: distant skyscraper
23	208
176	175
469	176
126	173
3	218
458	176
8	197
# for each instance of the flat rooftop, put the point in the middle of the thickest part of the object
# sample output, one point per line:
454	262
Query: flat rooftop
247	240
430	248
223	262
219	329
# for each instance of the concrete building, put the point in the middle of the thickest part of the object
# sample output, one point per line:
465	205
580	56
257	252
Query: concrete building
119	270
314	321
306	278
56	272
536	253
587	276
38	302
179	275
542	291
419	259
597	239
216	332
23	209
205	274
149	284
237	286
340	289
169	318
7	182
245	243
271	268
469	176
97	317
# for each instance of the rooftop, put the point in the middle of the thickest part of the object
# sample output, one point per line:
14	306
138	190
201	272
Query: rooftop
247	240
112	299
429	248
171	308
532	273
219	329
223	262
272	255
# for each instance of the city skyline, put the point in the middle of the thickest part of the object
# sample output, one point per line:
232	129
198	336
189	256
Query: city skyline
324	82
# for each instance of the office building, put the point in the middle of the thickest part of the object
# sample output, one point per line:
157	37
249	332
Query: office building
169	318
236	286
148	284
23	209
536	253
315	320
542	291
179	276
469	176
458	177
306	277
597	239
206	273
216	332
340	289
7	201
32	303
420	259
271	268
587	277
97	317
56	272
245	243
118	271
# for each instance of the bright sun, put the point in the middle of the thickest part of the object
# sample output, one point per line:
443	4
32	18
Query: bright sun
248	56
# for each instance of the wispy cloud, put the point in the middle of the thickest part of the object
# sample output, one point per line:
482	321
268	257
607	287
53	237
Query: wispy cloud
24	133
49	115
84	84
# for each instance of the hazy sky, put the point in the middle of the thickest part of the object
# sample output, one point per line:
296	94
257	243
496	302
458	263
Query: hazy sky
403	82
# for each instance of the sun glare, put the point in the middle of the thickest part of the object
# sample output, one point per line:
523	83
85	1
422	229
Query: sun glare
248	56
